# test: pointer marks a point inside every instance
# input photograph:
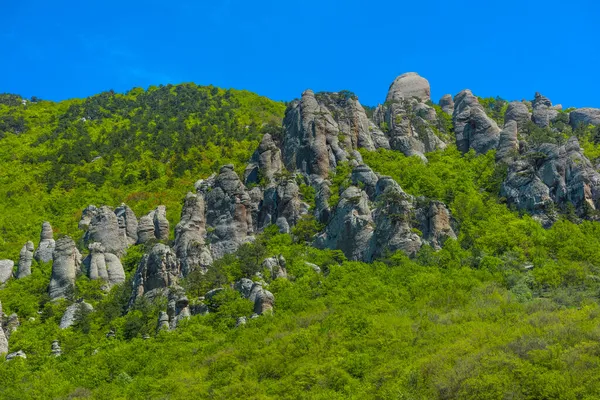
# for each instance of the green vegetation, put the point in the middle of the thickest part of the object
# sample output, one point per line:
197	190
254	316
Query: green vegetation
494	107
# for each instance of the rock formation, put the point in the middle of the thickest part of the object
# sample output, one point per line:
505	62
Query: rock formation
508	144
161	224
190	235
276	266
104	229
447	104
585	116
518	112
177	307
3	340
158	269
128	224
543	112
266	162
66	263
6	270
100	264
25	260
46	247
408	86
16	354
472	127
56	350
263	299
74	312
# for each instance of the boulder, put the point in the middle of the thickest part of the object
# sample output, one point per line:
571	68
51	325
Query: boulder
276	266
146	230
267	160
407	86
25	260
66	263
178	306
3	340
161	224
104	229
158	269
17	354
56	350
585	116
190	235
472	127
103	265
518	112
543	112
508	144
128	224
86	217
46	247
6	270
437	225
11	325
74	312
447	104
364	176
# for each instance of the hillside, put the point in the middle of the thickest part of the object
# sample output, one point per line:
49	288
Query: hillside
210	243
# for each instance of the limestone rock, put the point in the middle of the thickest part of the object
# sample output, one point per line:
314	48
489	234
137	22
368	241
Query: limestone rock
17	354
267	158
161	224
407	86
437	225
276	266
128	224
190	234
146	231
158	269
364	176
46	247
6	270
11	325
73	313
447	104
543	113
508	145
56	350
178	306
103	265
86	217
586	116
25	260
518	112
66	263
281	202
473	128
104	229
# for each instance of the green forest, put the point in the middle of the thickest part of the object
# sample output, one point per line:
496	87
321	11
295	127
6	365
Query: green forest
508	310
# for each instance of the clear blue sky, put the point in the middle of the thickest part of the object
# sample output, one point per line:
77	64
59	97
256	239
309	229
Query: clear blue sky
512	48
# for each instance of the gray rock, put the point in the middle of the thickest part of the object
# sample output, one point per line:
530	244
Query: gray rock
104	229
25	260
281	202
244	287
315	267
11	325
6	270
102	265
267	158
163	321
158	270
276	267
161	224
116	272
508	145
364	176
3	340
73	313
437	225
178	306
190	233
66	263
86	217
407	86
586	116
241	321
518	112
543	113
17	354
473	128
146	231
447	104
128	223
46	247
56	350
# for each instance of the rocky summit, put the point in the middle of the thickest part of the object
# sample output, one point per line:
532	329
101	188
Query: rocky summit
239	247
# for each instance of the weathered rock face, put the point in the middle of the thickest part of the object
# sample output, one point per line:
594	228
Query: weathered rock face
66	263
16	354
586	116
11	325
25	260
266	162
103	265
146	230
447	104
128	224
86	217
178	306
190	234
281	205
407	86
153	226
276	266
228	213
508	145
6	270
518	112
161	224
364	176
543	113
551	173
437	224
73	313
104	229
158	269
351	228
46	248
263	299
473	128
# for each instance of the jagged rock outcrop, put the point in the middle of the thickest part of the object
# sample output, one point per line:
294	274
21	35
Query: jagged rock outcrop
10	325
190	235
276	266
543	112
255	292
163	322
266	162
228	213
161	224
16	354
178	306
553	174
146	231
351	227
364	176
86	217
46	247
66	263
158	269
518	112
128	223
153	226
447	104
104	228
407	86
281	205
436	224
25	260
103	265
585	116
6	270
508	144
472	127
74	312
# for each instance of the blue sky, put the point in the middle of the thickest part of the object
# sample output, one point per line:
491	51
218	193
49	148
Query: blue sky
63	49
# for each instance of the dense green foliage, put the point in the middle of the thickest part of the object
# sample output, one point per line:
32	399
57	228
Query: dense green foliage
145	148
509	310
